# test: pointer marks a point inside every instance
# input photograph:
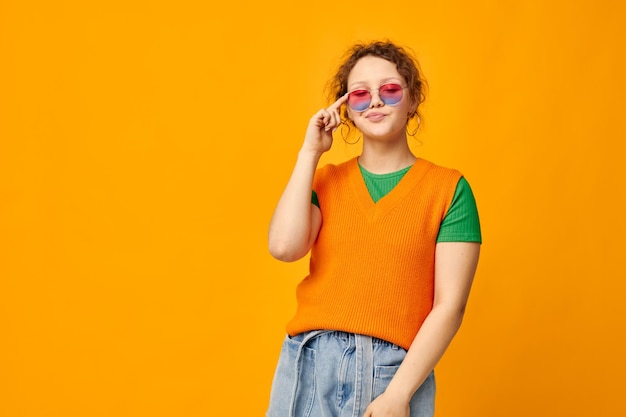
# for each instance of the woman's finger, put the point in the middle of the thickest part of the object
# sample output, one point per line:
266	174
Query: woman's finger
337	118
335	106
334	120
320	118
326	119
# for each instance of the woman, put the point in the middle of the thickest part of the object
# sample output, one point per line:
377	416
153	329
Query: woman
394	243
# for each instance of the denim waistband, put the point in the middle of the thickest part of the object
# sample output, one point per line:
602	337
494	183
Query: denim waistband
342	335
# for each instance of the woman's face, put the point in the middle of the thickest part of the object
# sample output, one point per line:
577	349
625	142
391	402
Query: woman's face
384	118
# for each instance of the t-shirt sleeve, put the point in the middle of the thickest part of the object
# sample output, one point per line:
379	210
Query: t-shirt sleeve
314	199
461	223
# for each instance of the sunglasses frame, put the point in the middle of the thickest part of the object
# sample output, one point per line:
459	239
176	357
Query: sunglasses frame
369	91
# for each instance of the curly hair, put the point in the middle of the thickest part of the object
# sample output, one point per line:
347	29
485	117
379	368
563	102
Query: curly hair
406	64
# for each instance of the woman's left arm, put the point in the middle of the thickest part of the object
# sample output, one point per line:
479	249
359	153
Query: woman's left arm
455	265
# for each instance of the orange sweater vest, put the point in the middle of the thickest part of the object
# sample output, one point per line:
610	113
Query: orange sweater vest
372	265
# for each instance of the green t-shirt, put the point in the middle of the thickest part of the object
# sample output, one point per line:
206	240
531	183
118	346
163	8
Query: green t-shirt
461	223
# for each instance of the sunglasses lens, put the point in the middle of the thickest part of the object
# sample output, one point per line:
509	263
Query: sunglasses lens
359	100
390	94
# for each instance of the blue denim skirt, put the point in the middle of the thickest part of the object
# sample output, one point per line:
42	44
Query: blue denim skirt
337	374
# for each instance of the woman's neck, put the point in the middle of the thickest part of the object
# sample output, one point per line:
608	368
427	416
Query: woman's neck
384	157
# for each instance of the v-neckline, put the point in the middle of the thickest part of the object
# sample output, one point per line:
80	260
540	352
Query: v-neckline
374	210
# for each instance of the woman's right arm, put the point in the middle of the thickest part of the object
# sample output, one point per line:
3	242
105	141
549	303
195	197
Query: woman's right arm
296	222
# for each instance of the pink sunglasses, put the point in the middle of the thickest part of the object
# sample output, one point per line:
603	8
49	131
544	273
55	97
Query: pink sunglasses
390	94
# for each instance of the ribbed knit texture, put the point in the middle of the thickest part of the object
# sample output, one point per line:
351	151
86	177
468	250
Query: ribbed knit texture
372	265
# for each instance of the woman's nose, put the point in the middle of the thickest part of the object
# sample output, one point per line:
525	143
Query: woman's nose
376	101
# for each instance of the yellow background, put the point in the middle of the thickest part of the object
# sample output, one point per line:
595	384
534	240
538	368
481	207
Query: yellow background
144	144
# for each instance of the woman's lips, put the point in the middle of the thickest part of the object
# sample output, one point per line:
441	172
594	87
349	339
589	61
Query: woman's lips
375	117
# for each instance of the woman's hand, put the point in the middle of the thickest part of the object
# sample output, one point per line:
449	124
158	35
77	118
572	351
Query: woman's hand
386	406
319	137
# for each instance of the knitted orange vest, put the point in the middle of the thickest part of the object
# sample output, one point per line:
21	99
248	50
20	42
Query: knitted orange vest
372	265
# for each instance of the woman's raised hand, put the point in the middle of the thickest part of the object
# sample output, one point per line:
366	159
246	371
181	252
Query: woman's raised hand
319	137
